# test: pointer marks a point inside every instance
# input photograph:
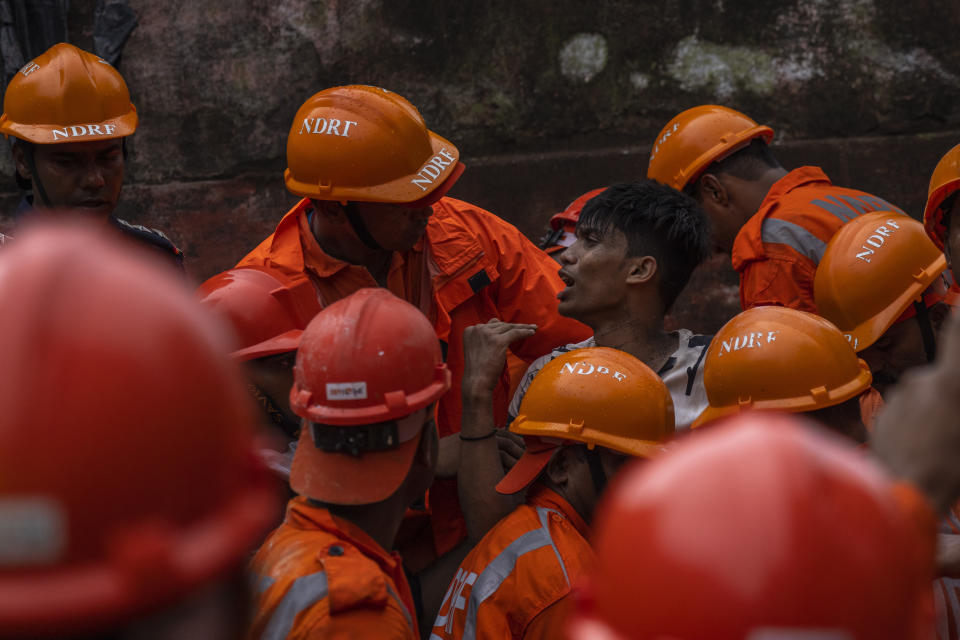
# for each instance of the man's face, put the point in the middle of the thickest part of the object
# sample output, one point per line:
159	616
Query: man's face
395	227
952	245
594	268
897	350
83	176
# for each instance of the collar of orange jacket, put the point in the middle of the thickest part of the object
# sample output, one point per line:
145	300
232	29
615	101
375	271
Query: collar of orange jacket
748	245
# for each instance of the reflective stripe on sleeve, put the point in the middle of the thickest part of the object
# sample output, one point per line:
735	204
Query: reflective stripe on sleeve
503	565
304	592
775	231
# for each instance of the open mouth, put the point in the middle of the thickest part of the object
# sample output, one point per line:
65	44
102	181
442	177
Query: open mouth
565	277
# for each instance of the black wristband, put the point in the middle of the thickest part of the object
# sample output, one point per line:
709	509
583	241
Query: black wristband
493	432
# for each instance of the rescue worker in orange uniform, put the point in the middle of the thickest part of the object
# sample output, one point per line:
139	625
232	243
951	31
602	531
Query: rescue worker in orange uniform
940	216
880	282
586	414
69	113
368	374
637	244
563	226
268	313
131	495
765	528
373	180
775	224
779	359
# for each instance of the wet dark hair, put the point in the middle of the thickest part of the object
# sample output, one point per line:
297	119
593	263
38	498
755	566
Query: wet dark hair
748	163
657	221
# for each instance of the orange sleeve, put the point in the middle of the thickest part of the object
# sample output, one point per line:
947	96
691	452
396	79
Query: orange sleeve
552	621
356	624
527	291
777	281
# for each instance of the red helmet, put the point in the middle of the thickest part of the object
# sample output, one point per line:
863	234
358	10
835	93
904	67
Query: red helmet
267	310
129	473
366	368
560	235
766	527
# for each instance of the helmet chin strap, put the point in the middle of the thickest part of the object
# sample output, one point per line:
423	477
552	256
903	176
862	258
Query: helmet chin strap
926	330
356	222
597	474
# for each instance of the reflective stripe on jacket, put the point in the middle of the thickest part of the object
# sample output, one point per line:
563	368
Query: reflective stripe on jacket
320	576
476	267
516	583
777	251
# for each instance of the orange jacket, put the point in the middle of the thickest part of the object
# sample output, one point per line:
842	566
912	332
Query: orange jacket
777	251
320	576
471	267
516	583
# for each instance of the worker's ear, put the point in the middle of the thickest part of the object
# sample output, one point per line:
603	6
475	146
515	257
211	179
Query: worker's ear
20	161
712	190
559	467
641	269
938	314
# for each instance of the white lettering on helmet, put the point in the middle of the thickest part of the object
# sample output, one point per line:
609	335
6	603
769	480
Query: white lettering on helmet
433	169
748	341
346	390
663	138
29	68
322	126
587	368
877	239
76	131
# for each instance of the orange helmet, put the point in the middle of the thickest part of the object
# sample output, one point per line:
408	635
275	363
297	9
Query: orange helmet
368	366
128	472
782	359
267	310
369	145
596	396
766	528
698	137
67	95
943	183
874	267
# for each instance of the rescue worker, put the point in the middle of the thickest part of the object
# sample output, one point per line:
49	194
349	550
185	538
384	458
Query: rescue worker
131	494
637	244
373	180
775	224
766	528
562	231
268	314
880	283
368	374
69	113
942	210
780	359
586	414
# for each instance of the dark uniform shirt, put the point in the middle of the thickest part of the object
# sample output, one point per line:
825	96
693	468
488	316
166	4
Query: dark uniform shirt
154	239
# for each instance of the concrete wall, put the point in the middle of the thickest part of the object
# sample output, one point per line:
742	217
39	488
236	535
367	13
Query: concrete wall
545	99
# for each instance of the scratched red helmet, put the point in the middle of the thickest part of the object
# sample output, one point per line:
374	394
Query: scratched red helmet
766	528
267	310
367	144
943	184
698	137
128	472
560	235
67	95
774	358
368	368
